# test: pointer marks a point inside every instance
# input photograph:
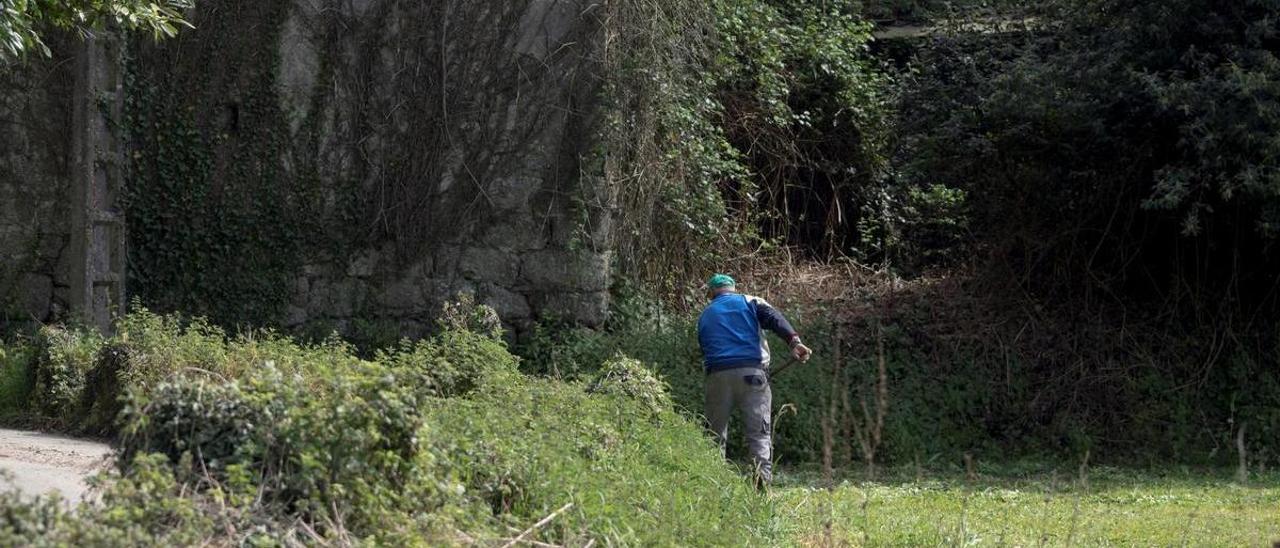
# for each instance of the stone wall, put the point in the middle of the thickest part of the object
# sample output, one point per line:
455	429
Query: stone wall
35	149
465	124
392	153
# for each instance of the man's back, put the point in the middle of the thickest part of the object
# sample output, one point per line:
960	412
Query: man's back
730	332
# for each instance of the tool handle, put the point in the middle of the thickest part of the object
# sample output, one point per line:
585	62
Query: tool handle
784	367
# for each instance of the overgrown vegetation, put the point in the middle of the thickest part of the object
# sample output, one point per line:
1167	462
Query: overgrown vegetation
15	378
206	189
772	132
1118	163
24	23
257	439
1074	214
1079	195
1122	154
949	389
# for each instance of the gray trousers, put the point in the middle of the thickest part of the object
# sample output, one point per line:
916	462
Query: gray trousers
748	390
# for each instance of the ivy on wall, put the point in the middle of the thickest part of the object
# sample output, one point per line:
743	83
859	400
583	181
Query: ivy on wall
211	227
279	134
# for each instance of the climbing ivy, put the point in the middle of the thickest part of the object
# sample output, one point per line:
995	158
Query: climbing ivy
211	228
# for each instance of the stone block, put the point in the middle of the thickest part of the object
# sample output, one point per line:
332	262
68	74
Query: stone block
404	296
362	264
418	269
588	309
514	193
313	270
295	316
50	250
445	261
332	299
298	67
490	265
562	269
511	306
38	293
414	329
515	233
299	291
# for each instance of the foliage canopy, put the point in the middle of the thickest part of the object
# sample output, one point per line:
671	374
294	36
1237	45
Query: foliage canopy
23	23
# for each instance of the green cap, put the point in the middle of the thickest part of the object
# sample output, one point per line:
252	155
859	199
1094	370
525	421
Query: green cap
720	280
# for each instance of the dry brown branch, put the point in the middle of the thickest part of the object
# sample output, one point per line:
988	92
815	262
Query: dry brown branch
533	528
870	429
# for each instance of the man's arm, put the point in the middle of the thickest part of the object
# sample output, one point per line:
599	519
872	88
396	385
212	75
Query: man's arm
773	320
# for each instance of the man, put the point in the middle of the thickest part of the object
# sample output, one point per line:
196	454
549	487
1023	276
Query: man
736	359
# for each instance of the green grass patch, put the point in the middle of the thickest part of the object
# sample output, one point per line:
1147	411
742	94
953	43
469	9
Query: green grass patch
1033	507
635	475
16	381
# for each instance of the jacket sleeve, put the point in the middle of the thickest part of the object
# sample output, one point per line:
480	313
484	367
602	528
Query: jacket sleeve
770	318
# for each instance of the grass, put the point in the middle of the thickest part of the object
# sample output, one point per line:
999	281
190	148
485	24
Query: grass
257	438
1032	506
15	379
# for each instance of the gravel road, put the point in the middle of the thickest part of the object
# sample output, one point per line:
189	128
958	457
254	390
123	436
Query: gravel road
38	463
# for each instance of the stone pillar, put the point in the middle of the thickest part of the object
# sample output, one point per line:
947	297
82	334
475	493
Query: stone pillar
97	246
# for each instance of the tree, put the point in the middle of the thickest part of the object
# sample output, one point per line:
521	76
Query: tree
23	22
1117	149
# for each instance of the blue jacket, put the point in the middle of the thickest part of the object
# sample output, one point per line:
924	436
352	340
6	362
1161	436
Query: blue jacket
731	332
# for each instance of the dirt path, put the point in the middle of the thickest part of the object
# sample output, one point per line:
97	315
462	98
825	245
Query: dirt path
43	463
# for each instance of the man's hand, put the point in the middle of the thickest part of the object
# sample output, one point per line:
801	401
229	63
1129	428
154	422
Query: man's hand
800	352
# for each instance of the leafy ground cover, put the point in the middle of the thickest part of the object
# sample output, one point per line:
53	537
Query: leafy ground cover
1032	506
259	440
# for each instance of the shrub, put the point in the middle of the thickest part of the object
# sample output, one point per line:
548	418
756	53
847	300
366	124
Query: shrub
330	445
16	378
99	402
66	356
80	375
623	376
441	441
160	345
143	507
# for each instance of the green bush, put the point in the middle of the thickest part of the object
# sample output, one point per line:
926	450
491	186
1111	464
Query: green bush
623	376
81	375
158	346
16	378
343	446
258	439
145	506
66	357
454	363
